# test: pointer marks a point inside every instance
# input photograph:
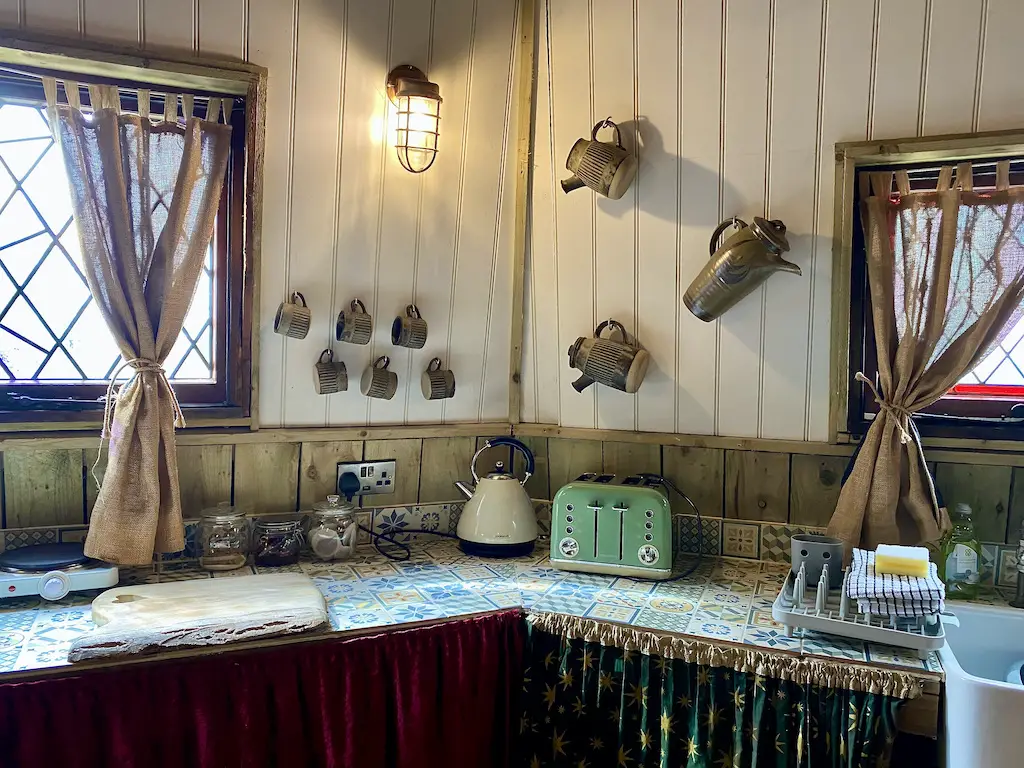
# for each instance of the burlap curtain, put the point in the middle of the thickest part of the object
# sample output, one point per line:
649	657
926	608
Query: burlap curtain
145	197
946	278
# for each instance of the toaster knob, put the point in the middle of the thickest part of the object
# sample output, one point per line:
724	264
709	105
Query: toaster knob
648	554
569	547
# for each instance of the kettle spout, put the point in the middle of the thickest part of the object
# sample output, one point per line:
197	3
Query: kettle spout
573	182
788	266
465	488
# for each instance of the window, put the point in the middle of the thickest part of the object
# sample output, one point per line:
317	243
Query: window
988	402
56	353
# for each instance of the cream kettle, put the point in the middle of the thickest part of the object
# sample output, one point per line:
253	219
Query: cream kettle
498	519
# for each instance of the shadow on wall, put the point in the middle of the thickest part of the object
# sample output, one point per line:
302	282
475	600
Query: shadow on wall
643	136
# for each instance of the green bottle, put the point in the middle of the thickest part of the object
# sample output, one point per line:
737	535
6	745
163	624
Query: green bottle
961	556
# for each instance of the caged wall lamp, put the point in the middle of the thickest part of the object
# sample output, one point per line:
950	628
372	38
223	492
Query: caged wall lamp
418	102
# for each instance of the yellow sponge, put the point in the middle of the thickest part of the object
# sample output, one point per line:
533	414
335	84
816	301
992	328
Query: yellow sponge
901	561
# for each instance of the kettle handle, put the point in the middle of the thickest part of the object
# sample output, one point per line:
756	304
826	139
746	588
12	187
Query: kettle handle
607	123
713	245
511	442
613	325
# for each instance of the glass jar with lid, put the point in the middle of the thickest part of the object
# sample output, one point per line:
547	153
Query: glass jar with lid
277	540
333	530
222	538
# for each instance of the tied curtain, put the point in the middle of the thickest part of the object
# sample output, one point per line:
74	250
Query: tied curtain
444	695
946	282
145	195
589	704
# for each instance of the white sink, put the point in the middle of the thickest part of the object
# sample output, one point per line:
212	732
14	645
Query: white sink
984	713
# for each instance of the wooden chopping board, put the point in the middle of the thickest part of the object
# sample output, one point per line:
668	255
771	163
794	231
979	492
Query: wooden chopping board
179	614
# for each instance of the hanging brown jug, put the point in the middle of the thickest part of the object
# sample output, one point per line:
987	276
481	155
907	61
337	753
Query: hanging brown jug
607	168
613	362
745	260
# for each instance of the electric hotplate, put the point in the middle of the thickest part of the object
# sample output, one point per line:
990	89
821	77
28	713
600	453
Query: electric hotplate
51	571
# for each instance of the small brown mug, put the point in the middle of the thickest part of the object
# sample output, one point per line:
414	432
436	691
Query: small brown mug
354	326
409	331
437	384
293	318
378	381
329	376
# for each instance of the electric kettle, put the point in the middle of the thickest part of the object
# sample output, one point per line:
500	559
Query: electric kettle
606	168
498	519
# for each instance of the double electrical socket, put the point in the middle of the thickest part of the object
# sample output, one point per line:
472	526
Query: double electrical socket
374	476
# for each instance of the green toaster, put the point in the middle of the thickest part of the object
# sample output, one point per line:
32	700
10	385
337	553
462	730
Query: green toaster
615	525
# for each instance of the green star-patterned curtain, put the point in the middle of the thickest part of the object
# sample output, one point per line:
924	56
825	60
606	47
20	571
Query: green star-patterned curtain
587	705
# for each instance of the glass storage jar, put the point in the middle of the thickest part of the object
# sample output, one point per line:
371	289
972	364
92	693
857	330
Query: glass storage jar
333	530
222	538
277	540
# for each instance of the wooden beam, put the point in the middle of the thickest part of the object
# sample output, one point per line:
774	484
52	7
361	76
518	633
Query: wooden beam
444	460
699	473
815	482
622	458
318	473
757	486
406	453
205	475
267	477
567	459
985	489
43	487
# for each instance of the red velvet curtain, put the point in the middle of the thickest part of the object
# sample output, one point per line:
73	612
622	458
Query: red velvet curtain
441	695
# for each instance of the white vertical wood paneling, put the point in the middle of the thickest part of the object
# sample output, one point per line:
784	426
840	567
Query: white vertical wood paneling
222	27
611	62
272	28
657	46
113	20
314	151
750	129
172	23
363	148
700	190
793	151
748	33
572	107
57	16
898	66
10	13
952	66
1002	101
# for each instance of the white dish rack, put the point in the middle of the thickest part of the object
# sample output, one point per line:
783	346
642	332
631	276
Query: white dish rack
833	612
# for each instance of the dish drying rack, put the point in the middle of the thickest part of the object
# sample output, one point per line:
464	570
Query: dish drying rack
833	612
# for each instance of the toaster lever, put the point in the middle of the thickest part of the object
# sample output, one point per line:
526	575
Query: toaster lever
620	508
595	506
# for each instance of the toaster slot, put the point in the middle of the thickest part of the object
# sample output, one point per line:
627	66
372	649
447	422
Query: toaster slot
585	477
604	478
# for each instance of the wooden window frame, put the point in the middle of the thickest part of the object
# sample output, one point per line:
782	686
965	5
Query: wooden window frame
233	401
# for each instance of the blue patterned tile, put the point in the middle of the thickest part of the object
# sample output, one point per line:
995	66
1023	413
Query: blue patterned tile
887	654
989	559
576	606
342	618
610	612
24	537
419	612
672	622
438	592
716	630
818	644
467	603
770	638
686	535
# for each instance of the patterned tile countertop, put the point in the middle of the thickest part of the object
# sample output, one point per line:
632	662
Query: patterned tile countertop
725	600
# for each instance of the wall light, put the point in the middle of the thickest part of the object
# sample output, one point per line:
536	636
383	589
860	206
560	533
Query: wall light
419	115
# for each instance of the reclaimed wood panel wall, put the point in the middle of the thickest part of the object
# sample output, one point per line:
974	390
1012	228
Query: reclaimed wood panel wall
341	218
735	107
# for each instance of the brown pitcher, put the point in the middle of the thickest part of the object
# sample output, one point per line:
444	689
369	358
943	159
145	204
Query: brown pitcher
745	260
613	362
607	168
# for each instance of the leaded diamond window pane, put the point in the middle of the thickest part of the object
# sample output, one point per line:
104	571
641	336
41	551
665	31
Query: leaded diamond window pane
50	328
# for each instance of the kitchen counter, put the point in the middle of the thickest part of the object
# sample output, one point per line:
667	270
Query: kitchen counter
723	601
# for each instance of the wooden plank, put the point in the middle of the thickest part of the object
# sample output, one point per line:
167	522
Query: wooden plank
318	476
815	482
844	116
757	486
568	459
897	68
42	487
571	110
221	27
267	477
745	130
114	20
204	476
985	489
999	103
445	460
796	68
1015	524
699	473
657	44
479	338
919	716
406	453
314	169
612	89
272	40
171	25
700	194
950	80
631	458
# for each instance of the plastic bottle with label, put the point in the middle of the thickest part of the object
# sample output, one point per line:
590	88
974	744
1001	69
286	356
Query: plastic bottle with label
961	556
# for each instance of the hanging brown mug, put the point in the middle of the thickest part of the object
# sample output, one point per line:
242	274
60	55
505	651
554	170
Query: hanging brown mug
329	376
437	383
355	326
378	381
613	362
293	317
409	331
606	167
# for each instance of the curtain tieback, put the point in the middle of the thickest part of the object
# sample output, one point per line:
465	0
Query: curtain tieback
900	415
141	365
